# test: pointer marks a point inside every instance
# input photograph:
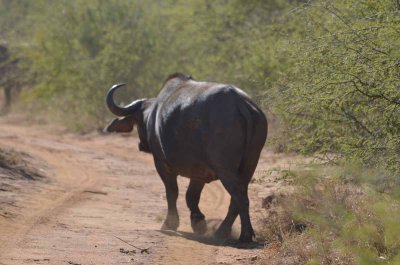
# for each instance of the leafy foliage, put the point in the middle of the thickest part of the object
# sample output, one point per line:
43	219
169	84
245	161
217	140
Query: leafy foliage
78	52
77	49
341	90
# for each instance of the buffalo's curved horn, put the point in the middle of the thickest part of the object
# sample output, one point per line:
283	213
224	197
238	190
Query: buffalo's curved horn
118	110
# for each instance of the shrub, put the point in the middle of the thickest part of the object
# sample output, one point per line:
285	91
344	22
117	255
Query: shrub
340	91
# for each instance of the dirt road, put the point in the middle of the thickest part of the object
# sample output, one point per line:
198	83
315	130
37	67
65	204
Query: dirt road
101	188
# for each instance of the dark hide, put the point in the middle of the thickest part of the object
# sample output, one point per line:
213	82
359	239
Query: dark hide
204	131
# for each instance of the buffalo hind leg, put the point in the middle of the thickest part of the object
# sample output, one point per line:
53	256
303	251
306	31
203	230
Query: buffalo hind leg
238	192
197	218
225	228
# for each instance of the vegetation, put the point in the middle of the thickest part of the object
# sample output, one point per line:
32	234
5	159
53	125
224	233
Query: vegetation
327	71
77	49
337	215
340	91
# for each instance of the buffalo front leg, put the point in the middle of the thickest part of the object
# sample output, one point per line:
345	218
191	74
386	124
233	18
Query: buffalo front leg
171	189
172	220
197	218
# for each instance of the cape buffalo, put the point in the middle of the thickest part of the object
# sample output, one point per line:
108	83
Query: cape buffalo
201	130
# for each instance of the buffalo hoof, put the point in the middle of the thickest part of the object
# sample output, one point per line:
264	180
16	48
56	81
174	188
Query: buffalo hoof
223	232
246	237
170	224
167	226
199	226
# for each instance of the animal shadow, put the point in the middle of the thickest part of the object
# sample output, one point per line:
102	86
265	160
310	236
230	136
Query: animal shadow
208	238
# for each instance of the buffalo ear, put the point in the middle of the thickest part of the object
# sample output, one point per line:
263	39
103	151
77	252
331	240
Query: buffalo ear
124	124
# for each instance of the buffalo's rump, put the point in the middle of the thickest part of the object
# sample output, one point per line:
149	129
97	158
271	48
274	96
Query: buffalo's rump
203	126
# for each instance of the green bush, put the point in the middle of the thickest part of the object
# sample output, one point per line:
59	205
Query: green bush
340	91
78	49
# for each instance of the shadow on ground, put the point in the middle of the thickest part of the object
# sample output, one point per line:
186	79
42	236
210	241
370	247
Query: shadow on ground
209	239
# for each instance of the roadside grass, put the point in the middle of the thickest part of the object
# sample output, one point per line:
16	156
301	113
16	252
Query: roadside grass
9	158
17	165
17	169
335	215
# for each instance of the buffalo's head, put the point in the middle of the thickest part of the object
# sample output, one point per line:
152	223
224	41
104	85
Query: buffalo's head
130	115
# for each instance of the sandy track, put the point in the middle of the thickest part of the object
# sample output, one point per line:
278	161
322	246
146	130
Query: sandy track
100	188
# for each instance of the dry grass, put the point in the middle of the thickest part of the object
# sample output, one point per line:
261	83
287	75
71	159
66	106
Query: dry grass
331	220
17	165
16	170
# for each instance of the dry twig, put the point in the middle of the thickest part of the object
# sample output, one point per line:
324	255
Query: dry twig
142	250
